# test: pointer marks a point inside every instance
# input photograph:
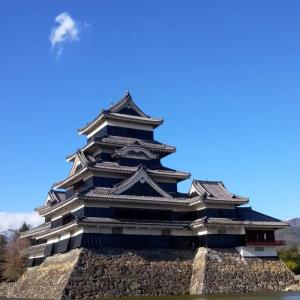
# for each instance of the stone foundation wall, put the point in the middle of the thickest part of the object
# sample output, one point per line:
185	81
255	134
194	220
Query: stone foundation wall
46	281
5	288
88	273
116	272
226	271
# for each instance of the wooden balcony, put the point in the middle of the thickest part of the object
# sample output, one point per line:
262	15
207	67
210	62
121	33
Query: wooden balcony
267	243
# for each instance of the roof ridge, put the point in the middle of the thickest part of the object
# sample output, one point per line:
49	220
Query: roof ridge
127	98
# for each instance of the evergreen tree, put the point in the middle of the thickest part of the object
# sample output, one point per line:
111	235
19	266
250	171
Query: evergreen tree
24	227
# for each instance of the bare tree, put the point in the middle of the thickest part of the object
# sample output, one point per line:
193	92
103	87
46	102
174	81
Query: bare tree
3	243
14	264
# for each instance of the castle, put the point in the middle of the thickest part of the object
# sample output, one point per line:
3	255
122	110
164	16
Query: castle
119	194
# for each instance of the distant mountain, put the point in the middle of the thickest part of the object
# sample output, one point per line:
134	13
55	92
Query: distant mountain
291	234
8	233
294	222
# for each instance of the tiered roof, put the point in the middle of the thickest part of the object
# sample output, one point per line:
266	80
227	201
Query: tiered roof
118	142
125	110
89	162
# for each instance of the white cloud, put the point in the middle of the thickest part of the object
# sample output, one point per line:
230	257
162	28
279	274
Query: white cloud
11	220
66	31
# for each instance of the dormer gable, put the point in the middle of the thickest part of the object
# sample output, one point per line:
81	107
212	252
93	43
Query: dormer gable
80	161
140	180
135	151
214	191
55	196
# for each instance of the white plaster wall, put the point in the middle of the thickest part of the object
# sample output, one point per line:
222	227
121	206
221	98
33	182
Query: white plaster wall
135	230
72	206
249	251
200	230
52	240
36	254
65	236
228	230
202	205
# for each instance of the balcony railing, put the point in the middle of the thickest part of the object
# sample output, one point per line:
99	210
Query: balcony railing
267	242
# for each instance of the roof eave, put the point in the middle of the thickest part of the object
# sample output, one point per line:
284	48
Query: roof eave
162	152
35	231
127	118
87	128
225	201
66	183
46	210
175	175
136	200
57	230
134	223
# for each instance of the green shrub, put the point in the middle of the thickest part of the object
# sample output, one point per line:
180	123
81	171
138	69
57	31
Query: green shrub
291	257
293	266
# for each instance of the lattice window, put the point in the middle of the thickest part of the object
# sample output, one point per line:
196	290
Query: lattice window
259	249
221	231
165	232
117	230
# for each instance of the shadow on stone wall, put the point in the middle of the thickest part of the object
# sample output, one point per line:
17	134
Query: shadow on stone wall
89	273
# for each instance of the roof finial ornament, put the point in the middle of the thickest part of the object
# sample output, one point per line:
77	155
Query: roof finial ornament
127	93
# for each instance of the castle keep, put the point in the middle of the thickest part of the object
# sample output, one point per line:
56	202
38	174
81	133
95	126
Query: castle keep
118	226
119	194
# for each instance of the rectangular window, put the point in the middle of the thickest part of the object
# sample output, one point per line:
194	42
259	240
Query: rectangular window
117	230
221	231
165	232
68	218
259	249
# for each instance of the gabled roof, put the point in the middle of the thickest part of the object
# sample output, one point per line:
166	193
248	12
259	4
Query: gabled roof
115	113
127	103
81	160
211	191
141	176
55	196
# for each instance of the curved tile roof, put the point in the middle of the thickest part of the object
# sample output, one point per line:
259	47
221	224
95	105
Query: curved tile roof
215	191
114	114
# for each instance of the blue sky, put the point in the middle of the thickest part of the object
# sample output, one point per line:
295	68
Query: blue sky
224	75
